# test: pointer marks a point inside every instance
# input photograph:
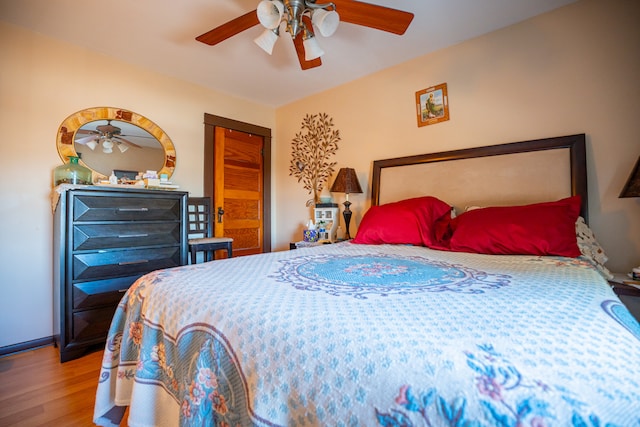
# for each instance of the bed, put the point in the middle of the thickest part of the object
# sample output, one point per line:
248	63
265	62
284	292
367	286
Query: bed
392	332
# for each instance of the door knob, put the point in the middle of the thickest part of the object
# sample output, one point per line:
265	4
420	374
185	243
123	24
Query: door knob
220	213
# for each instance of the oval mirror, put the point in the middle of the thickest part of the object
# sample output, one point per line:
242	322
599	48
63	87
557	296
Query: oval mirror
109	139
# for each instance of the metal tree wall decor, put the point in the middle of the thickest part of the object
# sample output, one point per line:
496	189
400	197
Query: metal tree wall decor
310	153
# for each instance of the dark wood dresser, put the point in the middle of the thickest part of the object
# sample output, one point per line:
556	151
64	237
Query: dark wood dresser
104	239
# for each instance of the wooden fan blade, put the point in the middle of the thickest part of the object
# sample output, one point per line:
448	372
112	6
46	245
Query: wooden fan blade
87	132
137	136
298	43
126	141
373	16
229	29
86	139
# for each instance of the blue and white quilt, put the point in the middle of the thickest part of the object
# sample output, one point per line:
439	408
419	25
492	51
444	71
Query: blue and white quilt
359	335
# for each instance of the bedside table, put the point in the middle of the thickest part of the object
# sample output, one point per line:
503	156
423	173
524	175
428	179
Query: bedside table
629	295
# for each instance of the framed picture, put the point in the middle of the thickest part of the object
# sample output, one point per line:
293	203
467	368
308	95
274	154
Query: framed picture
433	105
130	175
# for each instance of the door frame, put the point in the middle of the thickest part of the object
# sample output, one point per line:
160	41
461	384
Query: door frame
210	123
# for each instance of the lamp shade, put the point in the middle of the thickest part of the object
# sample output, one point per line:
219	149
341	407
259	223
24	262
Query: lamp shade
267	40
326	21
632	187
346	182
270	13
312	49
92	144
107	146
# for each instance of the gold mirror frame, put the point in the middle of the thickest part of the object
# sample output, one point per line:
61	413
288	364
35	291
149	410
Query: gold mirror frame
65	142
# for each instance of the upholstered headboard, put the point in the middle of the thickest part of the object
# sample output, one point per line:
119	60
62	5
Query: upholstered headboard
506	174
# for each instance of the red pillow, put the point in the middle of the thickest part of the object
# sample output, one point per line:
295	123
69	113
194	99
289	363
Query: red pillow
407	222
538	229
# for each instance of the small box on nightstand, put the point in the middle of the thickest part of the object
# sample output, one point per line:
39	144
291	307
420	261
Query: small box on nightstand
327	213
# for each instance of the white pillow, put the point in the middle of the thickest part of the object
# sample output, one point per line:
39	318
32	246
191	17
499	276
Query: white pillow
590	248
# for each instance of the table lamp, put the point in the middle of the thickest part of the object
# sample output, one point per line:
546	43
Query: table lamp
346	182
632	187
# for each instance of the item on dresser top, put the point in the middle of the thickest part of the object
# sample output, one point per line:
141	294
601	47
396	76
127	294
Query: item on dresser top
154	183
72	173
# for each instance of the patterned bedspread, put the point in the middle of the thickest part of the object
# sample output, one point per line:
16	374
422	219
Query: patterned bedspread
358	335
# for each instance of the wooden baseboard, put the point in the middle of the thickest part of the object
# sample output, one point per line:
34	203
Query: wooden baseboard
25	346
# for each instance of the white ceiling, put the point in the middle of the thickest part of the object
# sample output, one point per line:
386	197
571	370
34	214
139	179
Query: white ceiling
160	35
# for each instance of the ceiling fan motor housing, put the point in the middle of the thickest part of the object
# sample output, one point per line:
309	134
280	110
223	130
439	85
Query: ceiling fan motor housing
295	10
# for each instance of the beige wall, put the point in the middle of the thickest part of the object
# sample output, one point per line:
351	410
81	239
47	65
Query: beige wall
43	81
574	70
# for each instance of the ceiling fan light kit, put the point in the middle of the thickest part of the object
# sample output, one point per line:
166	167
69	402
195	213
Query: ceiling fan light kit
301	16
107	135
326	21
92	144
312	49
107	146
122	148
267	40
271	13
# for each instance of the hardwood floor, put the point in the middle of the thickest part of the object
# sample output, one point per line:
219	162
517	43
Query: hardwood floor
37	390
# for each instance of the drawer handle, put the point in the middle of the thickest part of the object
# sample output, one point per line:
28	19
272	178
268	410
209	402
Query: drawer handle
141	261
126	236
132	209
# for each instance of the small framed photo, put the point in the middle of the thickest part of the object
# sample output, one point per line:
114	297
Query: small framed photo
432	104
130	175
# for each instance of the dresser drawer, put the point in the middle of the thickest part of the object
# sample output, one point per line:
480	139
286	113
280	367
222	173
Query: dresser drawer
92	324
101	292
122	208
105	264
127	235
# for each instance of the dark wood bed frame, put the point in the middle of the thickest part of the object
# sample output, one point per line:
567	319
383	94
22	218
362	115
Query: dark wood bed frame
574	143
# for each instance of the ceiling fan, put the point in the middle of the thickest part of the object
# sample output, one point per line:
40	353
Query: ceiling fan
109	135
300	16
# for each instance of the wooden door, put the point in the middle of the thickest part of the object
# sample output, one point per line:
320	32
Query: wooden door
238	160
238	189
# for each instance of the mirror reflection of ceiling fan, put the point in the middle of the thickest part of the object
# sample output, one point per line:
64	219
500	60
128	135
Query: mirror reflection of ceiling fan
108	136
300	18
